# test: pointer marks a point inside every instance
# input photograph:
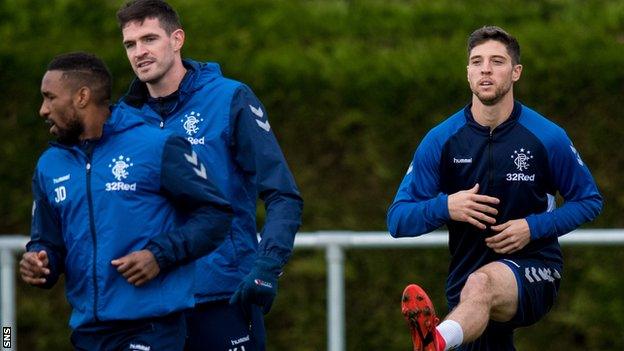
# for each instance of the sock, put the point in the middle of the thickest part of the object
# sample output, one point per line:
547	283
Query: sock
452	333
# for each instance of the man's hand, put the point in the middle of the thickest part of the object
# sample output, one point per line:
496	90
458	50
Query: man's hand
259	287
138	267
468	206
512	236
34	267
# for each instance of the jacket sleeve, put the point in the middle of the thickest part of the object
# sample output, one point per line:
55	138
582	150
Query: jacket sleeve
258	154
573	180
189	186
46	234
419	205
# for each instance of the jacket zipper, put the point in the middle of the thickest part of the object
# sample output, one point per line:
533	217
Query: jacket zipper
93	236
490	161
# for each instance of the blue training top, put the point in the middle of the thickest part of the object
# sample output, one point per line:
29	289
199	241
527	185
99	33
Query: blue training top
135	188
523	162
230	131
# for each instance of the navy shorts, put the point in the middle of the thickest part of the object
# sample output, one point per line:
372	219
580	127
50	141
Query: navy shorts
219	326
150	334
538	285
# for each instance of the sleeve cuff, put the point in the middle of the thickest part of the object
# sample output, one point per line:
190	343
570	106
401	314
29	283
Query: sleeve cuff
161	258
269	264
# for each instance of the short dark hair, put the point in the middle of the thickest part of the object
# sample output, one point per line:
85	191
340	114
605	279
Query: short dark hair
139	10
84	69
486	33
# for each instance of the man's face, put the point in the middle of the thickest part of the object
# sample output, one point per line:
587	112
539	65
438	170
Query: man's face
150	50
491	72
58	108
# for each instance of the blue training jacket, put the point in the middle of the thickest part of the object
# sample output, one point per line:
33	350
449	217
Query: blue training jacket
523	162
135	188
230	130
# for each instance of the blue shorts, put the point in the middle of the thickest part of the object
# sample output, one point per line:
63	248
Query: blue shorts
153	334
219	326
538	284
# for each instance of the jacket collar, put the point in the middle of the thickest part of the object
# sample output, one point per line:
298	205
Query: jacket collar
197	75
509	122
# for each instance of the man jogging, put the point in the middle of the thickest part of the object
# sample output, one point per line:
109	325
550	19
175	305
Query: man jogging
230	131
123	209
490	172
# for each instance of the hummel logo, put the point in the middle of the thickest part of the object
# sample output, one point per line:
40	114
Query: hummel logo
264	125
578	156
539	274
200	170
139	347
61	179
263	283
240	340
257	111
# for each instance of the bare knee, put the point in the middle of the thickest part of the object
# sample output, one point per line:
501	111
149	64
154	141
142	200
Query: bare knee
477	289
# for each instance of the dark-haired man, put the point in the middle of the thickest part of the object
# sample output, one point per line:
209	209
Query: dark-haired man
490	173
230	130
122	209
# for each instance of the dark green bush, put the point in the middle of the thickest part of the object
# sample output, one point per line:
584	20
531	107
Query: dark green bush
351	88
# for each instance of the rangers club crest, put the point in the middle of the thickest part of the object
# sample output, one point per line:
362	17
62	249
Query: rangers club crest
119	167
521	159
190	122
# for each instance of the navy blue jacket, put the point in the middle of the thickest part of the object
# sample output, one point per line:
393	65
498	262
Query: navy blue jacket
230	131
135	188
523	162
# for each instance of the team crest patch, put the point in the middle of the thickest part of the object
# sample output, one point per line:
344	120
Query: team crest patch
190	123
119	168
522	161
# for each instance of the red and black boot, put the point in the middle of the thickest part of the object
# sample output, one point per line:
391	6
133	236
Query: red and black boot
421	318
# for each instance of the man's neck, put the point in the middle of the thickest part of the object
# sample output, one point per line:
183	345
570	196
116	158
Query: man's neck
94	123
169	83
492	115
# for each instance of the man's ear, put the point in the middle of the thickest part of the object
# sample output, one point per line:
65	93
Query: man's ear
516	73
177	38
82	97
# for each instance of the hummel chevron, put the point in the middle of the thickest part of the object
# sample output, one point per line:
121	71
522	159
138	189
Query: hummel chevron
264	125
257	111
200	170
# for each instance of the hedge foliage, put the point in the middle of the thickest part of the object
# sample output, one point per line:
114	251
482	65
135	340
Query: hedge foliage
351	87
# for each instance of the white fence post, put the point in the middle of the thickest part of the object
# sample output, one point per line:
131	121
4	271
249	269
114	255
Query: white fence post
7	294
335	298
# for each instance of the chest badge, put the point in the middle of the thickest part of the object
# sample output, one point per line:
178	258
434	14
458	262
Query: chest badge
521	160
190	124
119	167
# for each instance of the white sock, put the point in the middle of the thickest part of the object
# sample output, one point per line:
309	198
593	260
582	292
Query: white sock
452	333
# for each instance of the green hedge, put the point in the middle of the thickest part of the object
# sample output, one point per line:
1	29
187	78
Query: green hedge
351	88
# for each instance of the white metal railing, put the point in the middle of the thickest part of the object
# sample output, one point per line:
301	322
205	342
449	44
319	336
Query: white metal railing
333	242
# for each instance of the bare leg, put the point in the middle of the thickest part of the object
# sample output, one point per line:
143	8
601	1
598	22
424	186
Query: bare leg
489	293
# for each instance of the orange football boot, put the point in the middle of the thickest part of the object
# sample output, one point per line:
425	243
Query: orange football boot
421	318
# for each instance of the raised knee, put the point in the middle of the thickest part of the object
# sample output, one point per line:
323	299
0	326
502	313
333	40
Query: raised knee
477	285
